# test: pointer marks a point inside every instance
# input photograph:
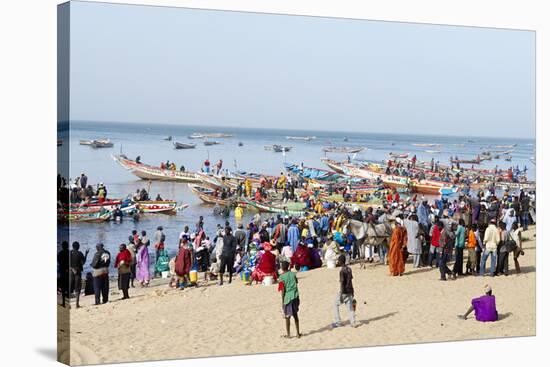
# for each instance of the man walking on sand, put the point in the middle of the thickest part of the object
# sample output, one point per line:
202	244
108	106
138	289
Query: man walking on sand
345	296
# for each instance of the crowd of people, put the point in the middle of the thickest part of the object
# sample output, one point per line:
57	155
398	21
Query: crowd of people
467	232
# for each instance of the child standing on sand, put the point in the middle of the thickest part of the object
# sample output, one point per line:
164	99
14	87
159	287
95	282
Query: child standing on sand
288	286
345	295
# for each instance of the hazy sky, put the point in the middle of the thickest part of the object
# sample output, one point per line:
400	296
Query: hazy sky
184	66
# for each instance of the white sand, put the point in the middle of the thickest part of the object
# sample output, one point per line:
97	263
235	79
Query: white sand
162	323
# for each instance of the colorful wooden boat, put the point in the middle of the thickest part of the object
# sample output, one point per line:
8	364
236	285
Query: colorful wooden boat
147	172
209	195
267	207
94	215
157	206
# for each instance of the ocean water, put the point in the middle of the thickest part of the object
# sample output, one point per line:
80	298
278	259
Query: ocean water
148	142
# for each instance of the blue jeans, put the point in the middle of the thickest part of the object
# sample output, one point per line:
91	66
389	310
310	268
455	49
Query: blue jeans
484	257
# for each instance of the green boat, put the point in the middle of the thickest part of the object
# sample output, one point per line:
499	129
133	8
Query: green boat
292	208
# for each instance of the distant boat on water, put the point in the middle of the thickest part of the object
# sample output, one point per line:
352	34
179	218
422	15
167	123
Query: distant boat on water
168	138
426	145
178	145
398	155
304	138
99	143
210	135
211	142
280	148
277	148
350	150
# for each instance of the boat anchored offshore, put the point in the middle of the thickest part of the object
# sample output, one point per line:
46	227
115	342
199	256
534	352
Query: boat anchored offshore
349	150
178	145
304	138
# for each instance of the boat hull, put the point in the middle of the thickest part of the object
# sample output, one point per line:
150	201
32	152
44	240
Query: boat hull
147	172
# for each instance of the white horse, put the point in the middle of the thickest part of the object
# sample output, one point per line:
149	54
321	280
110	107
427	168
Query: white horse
369	236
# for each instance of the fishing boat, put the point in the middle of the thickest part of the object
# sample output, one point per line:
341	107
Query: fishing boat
211	142
240	144
433	151
217	135
267	207
313	173
210	180
280	148
157	206
178	145
102	143
428	187
168	138
86	142
506	146
304	138
209	195
397	155
94	215
148	172
466	161
485	156
336	166
350	150
508	158
426	145
196	136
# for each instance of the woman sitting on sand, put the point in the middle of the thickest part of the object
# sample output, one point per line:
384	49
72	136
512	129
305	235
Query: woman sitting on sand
266	265
301	258
315	256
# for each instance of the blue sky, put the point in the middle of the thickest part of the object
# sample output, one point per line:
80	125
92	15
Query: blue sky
218	68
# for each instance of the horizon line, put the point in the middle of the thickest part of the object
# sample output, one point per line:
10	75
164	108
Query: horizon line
302	130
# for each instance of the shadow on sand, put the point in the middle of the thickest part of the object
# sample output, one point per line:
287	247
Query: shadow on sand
359	323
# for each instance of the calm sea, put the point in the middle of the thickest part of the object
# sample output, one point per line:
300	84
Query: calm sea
148	142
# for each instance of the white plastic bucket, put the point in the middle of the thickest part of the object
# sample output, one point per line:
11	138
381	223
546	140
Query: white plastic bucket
164	274
268	280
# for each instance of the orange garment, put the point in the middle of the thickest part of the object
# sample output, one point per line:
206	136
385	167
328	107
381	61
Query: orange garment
472	241
398	242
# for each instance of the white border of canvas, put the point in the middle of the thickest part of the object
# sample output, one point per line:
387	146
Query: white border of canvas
28	116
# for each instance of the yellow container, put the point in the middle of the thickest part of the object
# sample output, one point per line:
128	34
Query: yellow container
193	276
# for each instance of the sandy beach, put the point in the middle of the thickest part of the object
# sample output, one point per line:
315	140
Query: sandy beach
162	323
